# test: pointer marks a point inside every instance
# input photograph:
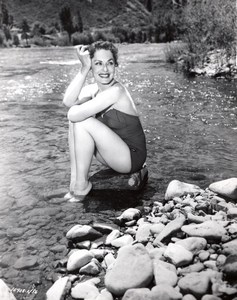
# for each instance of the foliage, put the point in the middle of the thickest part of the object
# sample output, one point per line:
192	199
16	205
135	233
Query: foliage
84	38
208	25
66	20
25	29
7	32
1	39
15	39
38	28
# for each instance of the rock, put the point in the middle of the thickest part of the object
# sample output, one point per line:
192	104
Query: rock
165	292
103	228
129	214
157	253
138	294
26	262
112	236
5	292
78	259
59	289
197	267
156	229
197	284
226	188
189	297
122	241
104	295
99	253
84	245
85	290
82	233
178	255
132	269
164	273
92	268
170	229
203	255
108	261
177	188
230	266
210	297
232	212
230	247
143	233
193	244
208	229
232	228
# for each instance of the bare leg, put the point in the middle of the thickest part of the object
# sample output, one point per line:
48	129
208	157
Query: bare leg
88	135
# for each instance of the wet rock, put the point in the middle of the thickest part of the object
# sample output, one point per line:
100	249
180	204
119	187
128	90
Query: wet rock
177	188
165	292
5	292
197	284
230	266
78	259
226	188
86	290
138	294
208	229
82	233
193	244
132	269
164	272
230	247
171	228
14	232
26	262
122	241
59	289
178	255
143	233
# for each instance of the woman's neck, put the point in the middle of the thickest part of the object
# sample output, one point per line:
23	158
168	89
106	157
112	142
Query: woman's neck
103	87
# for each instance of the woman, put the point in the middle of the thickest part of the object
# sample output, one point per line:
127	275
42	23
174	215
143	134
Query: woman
103	119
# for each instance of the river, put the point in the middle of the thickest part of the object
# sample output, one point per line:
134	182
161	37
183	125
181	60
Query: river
190	126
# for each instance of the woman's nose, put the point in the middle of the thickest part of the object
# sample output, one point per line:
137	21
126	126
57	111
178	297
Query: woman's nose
105	67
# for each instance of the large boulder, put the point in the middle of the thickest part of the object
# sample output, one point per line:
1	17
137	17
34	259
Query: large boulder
5	292
132	269
178	188
226	188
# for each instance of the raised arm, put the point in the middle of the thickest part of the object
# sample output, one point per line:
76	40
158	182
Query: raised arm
73	95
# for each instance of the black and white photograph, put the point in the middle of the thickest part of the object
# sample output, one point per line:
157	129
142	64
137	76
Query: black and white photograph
118	149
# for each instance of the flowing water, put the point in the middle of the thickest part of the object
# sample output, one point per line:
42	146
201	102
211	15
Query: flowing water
191	130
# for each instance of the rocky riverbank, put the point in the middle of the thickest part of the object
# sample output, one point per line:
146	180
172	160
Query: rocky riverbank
181	247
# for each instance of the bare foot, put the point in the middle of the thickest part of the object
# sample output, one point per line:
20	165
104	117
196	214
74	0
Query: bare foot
68	196
79	195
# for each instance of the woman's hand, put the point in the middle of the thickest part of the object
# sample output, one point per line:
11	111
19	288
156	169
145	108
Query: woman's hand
84	56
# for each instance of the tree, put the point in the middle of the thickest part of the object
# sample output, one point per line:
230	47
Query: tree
25	29
77	22
66	20
5	15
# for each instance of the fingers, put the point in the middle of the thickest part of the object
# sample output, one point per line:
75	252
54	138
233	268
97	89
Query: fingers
81	49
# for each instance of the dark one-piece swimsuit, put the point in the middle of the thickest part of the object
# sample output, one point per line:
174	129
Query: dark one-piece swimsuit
129	128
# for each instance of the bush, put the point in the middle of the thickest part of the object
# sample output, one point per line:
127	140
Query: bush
63	40
1	39
16	40
174	51
84	38
209	25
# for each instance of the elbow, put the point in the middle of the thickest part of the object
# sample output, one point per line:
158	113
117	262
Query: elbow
73	115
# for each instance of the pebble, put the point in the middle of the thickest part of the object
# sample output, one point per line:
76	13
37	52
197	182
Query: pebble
138	294
165	291
177	188
59	289
164	272
86	290
122	241
82	233
193	244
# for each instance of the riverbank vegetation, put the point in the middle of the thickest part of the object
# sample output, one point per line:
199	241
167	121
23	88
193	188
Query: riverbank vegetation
199	26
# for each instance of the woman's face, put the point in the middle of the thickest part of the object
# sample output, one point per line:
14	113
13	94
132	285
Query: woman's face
103	67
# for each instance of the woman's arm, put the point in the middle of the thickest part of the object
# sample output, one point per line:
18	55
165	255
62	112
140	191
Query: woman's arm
102	101
72	94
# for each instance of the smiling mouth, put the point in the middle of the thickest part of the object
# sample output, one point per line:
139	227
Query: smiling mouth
104	75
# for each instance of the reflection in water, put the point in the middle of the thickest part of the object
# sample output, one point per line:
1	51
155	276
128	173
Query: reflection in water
190	125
